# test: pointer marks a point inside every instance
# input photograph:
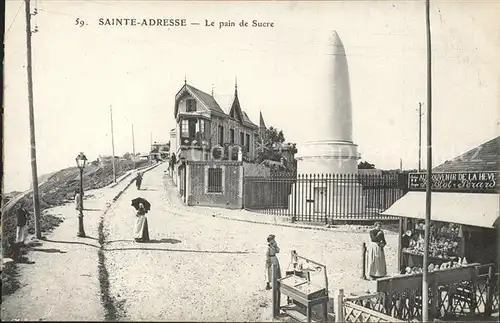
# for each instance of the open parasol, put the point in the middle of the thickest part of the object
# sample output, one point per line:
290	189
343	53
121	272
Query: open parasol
139	200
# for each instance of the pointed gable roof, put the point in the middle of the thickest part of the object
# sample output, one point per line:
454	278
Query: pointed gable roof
206	99
211	104
483	158
247	120
262	124
237	113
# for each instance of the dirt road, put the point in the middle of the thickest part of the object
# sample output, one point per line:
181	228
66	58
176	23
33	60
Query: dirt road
203	268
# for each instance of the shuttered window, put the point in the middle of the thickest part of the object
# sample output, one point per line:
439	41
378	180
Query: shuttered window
221	135
215	180
184	128
231	132
190	105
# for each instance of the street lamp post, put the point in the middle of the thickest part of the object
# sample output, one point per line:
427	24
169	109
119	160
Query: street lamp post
81	160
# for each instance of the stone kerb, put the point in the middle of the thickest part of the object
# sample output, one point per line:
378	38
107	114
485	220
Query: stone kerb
215	162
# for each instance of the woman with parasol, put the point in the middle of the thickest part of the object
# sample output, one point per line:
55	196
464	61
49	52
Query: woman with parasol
141	230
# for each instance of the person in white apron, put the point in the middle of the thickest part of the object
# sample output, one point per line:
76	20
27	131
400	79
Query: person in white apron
21	233
271	259
141	230
376	256
22	225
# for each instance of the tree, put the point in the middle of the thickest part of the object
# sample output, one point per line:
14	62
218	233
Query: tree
366	165
269	146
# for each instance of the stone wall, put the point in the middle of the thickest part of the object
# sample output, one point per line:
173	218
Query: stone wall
232	184
256	170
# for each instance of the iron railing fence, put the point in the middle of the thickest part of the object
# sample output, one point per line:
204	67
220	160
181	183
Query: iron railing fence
324	197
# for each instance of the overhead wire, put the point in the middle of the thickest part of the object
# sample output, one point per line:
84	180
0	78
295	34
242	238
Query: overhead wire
15	17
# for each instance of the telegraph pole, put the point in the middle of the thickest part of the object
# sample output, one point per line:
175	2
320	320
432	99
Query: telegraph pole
133	145
34	173
425	282
150	147
420	114
113	143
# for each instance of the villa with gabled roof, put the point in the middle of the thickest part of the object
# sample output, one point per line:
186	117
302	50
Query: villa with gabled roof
201	125
213	147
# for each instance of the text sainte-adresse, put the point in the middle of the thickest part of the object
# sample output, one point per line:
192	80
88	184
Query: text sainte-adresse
179	22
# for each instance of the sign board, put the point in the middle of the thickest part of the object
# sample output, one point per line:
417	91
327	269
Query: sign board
474	182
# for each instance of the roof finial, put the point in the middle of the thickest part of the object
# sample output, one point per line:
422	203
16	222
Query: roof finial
212	90
236	85
185	79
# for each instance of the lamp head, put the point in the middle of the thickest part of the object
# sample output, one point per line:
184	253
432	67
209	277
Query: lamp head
81	160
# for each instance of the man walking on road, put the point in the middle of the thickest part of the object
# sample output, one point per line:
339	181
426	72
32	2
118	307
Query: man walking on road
138	181
22	225
21	233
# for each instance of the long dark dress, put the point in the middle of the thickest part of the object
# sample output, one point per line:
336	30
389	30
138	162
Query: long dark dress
138	182
376	256
271	259
145	231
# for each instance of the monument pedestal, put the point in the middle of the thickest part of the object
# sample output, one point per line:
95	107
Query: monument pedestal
329	200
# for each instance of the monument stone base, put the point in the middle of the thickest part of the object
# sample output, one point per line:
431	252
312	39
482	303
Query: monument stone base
333	201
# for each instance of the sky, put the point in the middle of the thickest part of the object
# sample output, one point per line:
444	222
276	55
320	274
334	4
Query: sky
79	72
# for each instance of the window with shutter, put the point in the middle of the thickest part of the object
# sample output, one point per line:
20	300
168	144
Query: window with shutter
221	135
184	128
215	180
190	105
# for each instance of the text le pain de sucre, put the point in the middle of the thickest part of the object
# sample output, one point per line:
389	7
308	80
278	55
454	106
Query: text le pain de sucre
177	22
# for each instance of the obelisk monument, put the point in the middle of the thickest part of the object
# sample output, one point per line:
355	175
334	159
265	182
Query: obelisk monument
329	148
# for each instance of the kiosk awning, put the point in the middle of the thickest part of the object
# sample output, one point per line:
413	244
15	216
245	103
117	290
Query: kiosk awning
474	209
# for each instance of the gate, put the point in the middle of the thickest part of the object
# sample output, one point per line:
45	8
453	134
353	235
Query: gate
325	197
182	179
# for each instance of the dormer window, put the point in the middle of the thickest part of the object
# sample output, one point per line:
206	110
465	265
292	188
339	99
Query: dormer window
190	105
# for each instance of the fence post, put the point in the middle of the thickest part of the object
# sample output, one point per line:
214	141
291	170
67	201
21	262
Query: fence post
339	306
294	215
363	261
276	292
489	292
434	298
474	289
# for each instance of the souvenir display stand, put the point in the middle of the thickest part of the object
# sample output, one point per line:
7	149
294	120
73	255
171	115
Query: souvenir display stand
446	245
462	246
464	208
302	294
